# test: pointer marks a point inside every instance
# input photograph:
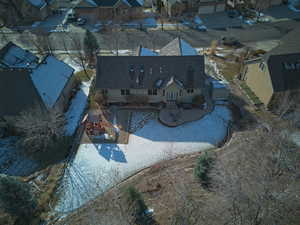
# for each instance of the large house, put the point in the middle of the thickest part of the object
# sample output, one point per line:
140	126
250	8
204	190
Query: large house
150	79
276	73
180	47
26	81
94	10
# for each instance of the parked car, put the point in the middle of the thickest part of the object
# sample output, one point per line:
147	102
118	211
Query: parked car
233	13
80	21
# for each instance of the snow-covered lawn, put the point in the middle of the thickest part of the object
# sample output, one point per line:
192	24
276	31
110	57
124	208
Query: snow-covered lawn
12	160
78	104
96	167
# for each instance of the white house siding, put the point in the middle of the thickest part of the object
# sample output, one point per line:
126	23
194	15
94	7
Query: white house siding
114	95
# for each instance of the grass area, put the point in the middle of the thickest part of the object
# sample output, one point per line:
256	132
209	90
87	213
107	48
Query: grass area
82	76
250	93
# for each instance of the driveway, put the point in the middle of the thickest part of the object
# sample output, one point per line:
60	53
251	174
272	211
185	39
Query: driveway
97	167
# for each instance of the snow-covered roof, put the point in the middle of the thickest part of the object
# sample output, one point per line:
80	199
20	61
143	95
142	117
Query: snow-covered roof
178	47
141	51
38	3
218	83
12	56
50	78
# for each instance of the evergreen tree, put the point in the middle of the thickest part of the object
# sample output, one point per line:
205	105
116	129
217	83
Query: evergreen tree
16	197
90	45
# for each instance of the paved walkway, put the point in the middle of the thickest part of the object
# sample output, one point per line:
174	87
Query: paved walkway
174	116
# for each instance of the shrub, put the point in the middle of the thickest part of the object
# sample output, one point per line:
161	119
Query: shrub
16	198
138	207
198	100
203	165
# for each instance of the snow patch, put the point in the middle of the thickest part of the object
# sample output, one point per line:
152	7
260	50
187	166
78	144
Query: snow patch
50	78
97	167
76	109
12	160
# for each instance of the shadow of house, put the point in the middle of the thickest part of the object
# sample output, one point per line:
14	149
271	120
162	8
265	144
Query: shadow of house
111	152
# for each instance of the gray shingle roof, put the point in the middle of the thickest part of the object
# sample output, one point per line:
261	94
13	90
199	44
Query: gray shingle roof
17	92
124	72
178	47
284	62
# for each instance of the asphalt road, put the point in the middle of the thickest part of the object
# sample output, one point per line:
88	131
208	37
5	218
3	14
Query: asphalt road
155	39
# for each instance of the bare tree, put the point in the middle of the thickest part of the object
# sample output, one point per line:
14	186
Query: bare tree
42	42
11	9
39	129
74	42
257	181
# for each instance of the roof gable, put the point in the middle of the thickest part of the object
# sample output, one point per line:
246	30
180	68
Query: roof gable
178	47
141	51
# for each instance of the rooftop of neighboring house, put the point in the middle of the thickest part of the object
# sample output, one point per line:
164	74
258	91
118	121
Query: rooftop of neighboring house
40	3
50	78
146	72
178	47
284	62
17	93
111	3
13	56
141	51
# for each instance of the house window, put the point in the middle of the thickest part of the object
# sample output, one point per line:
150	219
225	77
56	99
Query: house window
262	66
152	91
125	92
104	91
190	91
180	93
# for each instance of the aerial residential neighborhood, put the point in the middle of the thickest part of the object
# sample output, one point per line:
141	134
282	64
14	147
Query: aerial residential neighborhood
149	112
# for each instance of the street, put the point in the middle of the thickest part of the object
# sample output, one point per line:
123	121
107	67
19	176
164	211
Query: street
156	38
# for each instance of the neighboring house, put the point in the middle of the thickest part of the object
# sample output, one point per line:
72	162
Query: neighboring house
258	4
178	47
141	51
95	10
211	6
25	11
26	82
175	8
148	79
277	72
